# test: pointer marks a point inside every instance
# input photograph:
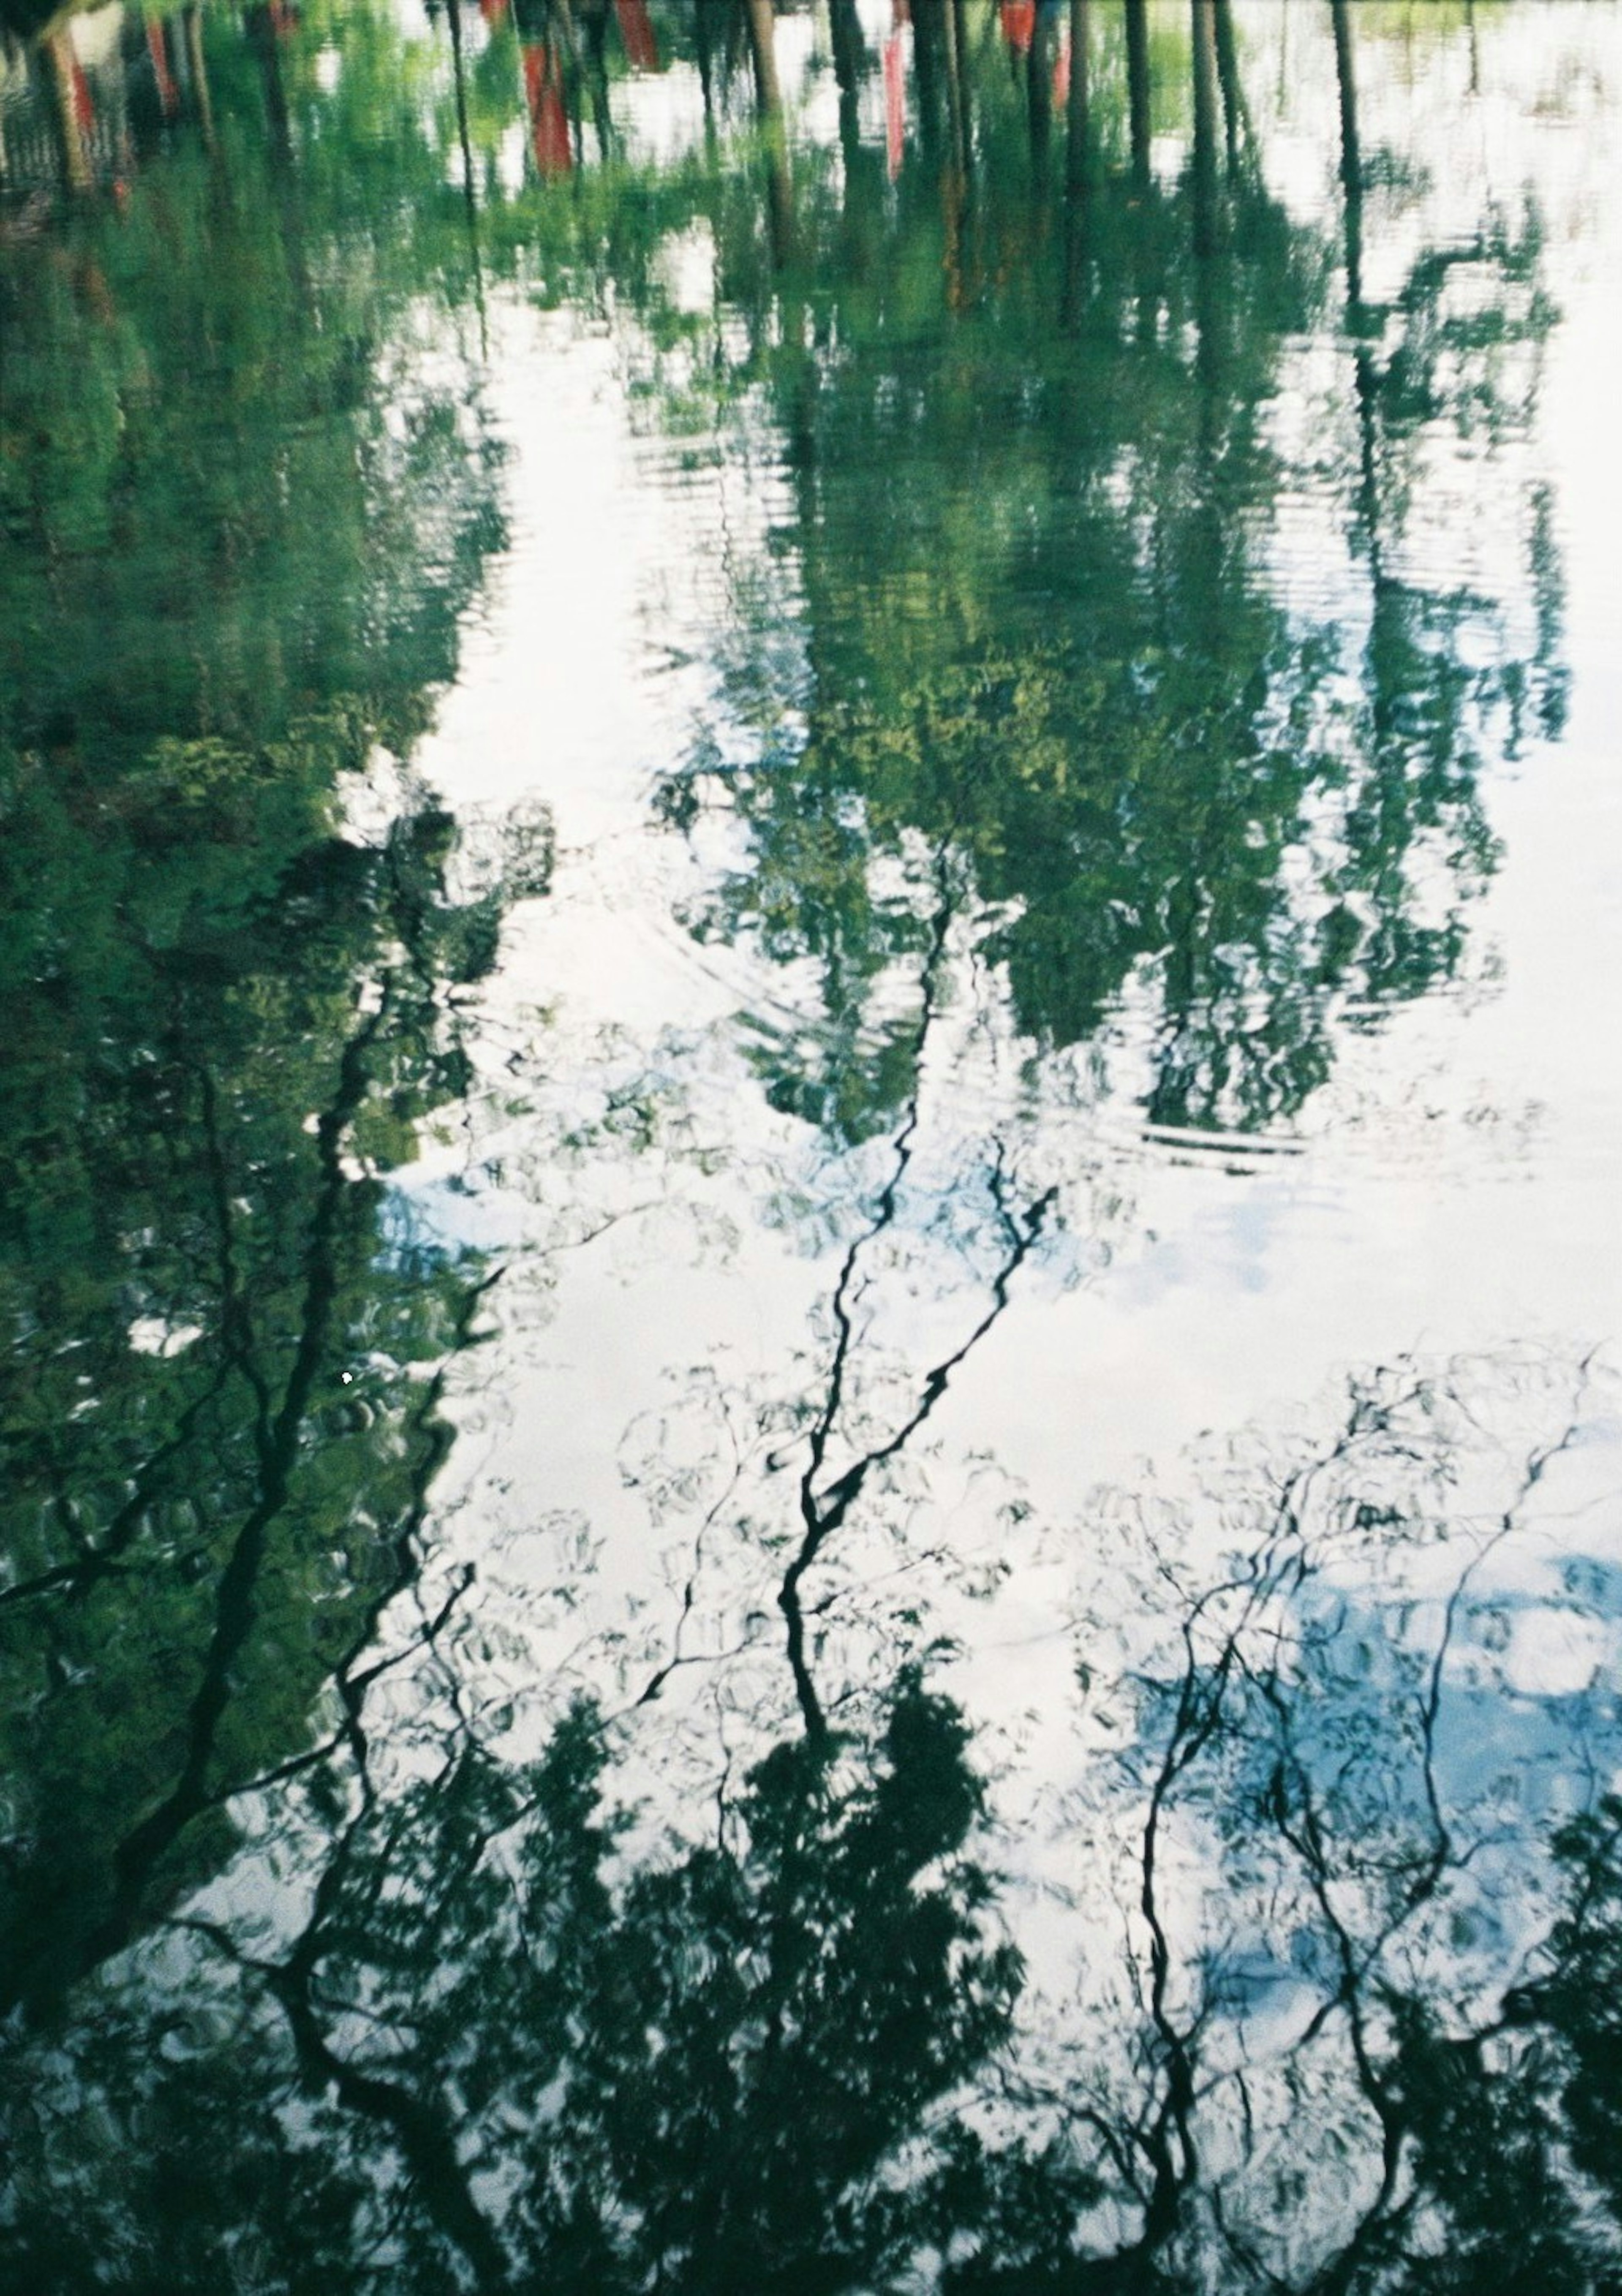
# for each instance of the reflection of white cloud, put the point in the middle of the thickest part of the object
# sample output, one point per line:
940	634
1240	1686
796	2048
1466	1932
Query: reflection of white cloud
1557	1653
661	116
155	1335
687	267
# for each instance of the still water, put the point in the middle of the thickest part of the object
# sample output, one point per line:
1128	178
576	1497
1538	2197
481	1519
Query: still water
808	1212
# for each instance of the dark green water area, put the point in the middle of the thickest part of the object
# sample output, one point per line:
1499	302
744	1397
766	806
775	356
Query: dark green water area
810	1233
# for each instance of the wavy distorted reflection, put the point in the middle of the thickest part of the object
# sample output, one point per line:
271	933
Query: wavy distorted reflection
487	2029
813	1866
244	519
1036	601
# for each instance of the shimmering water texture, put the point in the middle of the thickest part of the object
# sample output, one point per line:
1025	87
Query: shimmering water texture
809	1218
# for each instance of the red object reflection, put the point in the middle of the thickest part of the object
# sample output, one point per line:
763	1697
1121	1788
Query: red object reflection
895	103
548	116
1020	24
168	95
640	47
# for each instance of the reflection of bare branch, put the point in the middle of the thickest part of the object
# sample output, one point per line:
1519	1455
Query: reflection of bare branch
1200	1697
822	1514
677	1656
1537	1467
422	2129
139	1854
353	1687
1246	1721
823	1508
815	1528
425	2135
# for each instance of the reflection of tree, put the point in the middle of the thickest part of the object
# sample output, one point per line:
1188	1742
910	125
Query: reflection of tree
183	381
1331	1720
1031	614
477	2028
218	1444
691	2073
242	529
826	1499
504	2034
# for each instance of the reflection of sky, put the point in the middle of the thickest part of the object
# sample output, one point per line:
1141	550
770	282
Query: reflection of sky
668	1242
1451	1188
1528	1723
424	1218
1454	1188
631	1433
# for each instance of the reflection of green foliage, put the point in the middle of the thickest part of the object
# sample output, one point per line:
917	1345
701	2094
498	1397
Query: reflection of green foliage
1500	2122
209	1480
503	2051
719	2071
1033	647
186	381
1029	621
1578	1999
241	528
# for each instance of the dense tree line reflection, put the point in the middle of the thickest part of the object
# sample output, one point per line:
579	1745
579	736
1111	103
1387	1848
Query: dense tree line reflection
1035	613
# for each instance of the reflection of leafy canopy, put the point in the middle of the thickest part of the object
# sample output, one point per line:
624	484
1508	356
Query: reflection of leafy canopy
208	1484
503	2052
214	522
1501	2121
715	2072
1580	1997
501	2048
243	527
1029	619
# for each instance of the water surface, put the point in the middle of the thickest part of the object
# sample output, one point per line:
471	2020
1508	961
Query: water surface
807	1208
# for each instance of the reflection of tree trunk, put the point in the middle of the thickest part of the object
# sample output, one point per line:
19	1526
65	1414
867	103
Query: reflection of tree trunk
62	66
1145	263
550	136
929	71
158	49
593	50
261	28
1385	630
1351	156
459	66
1227	73
763	48
636	33
1137	87
197	68
1210	541
768	104
1078	164
423	2132
262	39
458	69
1205	128
704	47
1080	159
1362	364
1039	58
849	60
957	47
937	47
